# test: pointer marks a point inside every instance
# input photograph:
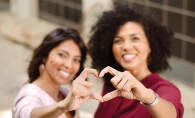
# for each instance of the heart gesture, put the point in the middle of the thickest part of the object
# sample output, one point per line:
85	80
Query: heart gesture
126	85
80	91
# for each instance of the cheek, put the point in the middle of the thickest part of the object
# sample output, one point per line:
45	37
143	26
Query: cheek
116	52
76	69
54	62
145	51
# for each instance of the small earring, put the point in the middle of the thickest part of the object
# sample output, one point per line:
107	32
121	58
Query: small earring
41	68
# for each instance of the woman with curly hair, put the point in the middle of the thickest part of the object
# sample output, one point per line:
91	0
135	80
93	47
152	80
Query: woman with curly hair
132	46
63	53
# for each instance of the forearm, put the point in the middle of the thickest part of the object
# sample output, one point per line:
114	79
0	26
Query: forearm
163	109
52	111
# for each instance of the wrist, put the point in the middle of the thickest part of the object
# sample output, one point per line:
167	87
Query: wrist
149	97
62	105
151	100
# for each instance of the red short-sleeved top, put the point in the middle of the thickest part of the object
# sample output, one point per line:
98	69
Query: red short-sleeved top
124	108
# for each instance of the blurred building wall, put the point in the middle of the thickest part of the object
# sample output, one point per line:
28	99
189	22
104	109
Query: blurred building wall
24	8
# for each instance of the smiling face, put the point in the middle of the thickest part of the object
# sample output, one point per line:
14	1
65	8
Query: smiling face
63	62
131	47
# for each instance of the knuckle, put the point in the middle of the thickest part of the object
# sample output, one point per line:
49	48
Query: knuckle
125	88
126	72
74	82
119	87
113	81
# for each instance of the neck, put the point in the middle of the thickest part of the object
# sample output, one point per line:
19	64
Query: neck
49	86
140	73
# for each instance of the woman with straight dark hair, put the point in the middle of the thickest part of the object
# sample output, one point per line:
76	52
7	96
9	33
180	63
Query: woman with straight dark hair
57	61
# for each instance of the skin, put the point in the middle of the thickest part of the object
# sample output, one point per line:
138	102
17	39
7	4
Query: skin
78	94
65	57
61	66
131	40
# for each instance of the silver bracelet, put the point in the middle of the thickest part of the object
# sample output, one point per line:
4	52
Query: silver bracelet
153	103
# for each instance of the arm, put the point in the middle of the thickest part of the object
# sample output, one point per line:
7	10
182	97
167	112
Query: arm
129	87
78	94
162	108
52	111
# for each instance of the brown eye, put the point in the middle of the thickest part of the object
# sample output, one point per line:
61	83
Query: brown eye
135	38
77	60
117	41
62	55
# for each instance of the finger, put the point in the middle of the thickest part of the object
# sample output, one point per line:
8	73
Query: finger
86	84
127	86
131	82
116	80
111	95
82	83
81	91
127	95
96	97
122	83
110	70
86	72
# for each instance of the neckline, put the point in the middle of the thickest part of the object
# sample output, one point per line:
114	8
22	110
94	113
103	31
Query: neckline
64	94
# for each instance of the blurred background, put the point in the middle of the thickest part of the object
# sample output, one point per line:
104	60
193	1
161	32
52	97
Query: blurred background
24	23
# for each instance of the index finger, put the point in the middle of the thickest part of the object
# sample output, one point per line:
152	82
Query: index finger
110	70
86	72
111	95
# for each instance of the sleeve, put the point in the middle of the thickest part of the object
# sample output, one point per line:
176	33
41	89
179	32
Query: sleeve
24	106
172	94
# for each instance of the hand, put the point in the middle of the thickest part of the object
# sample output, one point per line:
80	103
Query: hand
126	86
80	91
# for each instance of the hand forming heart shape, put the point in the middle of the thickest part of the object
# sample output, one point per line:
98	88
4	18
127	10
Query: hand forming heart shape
125	83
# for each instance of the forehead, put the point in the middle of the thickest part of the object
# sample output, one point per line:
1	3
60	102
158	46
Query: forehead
70	47
131	27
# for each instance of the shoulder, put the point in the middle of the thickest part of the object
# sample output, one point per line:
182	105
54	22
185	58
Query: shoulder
29	91
162	86
156	80
26	101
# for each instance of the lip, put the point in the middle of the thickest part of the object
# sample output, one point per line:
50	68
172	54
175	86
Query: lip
128	57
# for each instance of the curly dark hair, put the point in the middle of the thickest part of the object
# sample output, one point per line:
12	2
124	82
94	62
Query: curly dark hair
104	31
52	40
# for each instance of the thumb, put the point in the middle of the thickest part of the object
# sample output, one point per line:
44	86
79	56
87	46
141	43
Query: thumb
96	97
111	95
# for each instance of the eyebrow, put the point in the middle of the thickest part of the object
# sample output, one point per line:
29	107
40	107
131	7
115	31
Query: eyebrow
135	34
130	35
67	53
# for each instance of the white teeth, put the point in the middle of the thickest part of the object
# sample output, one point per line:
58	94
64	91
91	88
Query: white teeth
64	73
129	56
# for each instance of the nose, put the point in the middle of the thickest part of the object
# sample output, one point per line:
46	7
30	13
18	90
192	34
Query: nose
127	45
68	63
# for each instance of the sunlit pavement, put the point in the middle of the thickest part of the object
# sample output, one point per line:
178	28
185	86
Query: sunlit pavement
16	52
